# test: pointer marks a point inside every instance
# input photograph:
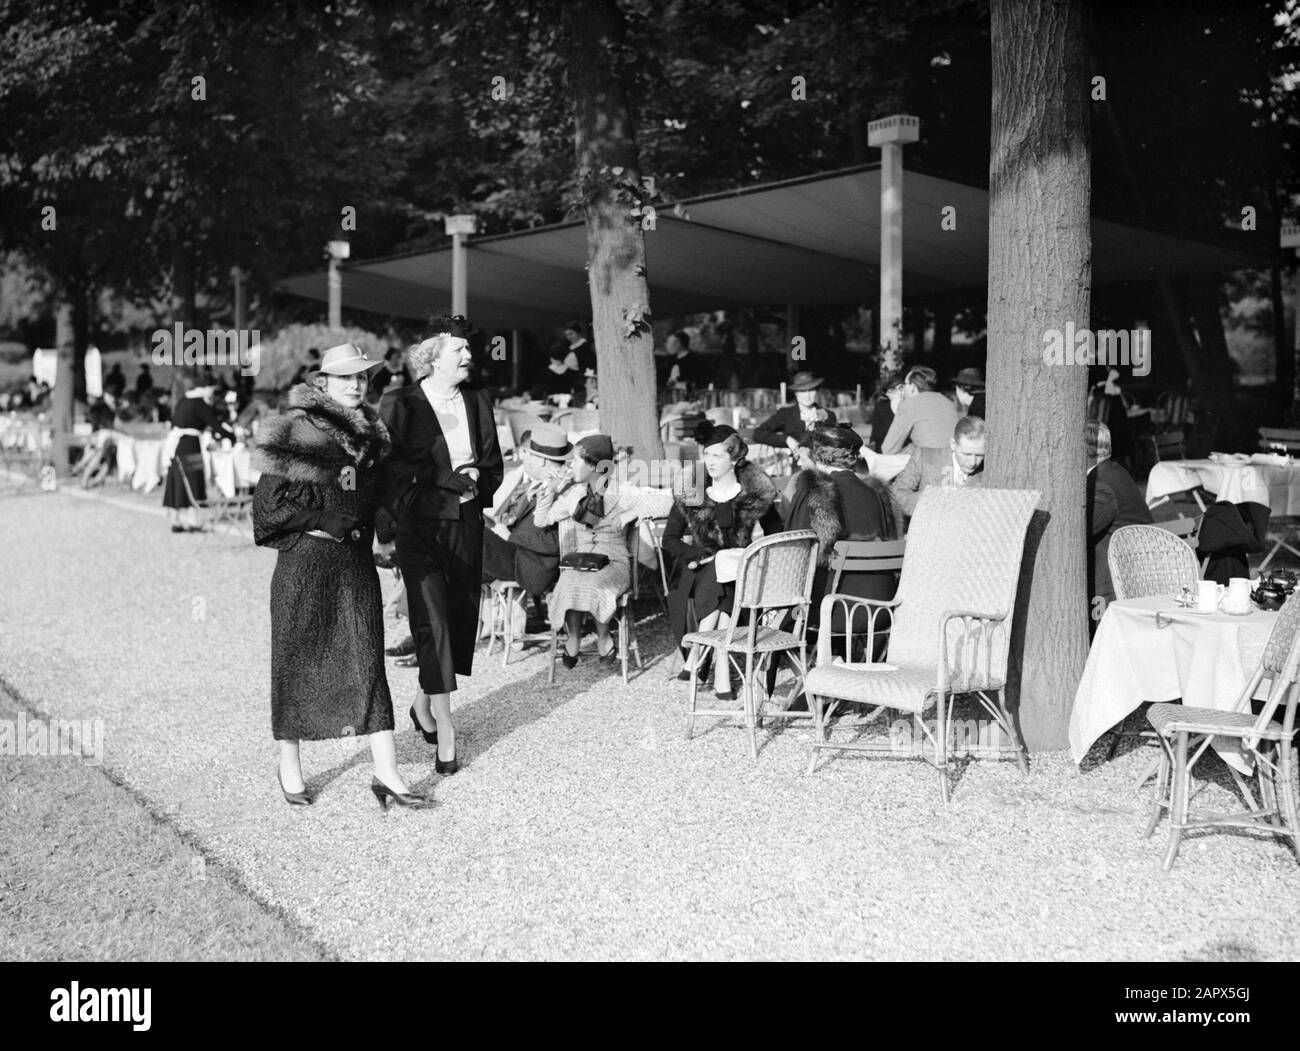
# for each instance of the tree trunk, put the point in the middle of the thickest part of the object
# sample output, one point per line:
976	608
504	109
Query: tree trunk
81	310
1284	375
1040	278
64	385
604	135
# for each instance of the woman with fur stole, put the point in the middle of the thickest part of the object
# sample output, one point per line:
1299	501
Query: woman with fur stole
316	503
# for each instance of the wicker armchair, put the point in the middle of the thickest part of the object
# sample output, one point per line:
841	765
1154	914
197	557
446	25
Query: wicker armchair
1147	560
1269	743
775	577
951	626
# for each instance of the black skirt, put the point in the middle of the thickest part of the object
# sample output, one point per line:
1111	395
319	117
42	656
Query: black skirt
442	565
327	630
188	458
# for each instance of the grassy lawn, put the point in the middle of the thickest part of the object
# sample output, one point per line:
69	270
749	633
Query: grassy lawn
88	873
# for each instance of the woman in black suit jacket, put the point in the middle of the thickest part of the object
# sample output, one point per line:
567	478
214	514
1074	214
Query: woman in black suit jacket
444	468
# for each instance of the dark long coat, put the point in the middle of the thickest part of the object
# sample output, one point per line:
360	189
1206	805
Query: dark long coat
440	539
327	621
841	506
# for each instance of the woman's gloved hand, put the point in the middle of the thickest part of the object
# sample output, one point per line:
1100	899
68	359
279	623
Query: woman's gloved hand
337	524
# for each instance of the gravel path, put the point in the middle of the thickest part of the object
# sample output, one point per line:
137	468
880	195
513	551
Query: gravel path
583	825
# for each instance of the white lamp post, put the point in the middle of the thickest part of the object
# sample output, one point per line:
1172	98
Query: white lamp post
891	134
459	226
337	251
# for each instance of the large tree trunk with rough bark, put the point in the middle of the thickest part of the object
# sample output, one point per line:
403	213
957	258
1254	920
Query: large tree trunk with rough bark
1040	279
604	137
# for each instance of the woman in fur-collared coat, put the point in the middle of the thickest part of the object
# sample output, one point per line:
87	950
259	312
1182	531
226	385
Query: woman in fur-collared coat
738	497
837	504
316	503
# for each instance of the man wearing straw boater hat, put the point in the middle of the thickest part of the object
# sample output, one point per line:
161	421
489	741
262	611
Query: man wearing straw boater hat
786	426
515	547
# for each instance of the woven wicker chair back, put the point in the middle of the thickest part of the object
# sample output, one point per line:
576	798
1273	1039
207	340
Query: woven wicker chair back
1282	651
964	549
777	570
1147	560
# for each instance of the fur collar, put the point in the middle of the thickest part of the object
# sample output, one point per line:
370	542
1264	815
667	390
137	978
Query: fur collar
317	437
757	495
826	509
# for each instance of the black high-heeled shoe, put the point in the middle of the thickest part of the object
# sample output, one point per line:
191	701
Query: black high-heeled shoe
570	659
293	798
448	768
429	737
384	794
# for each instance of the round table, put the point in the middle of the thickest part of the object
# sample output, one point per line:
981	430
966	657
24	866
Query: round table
1150	649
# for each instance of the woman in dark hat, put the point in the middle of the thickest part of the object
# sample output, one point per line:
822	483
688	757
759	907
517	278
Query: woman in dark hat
737	498
443	471
785	427
316	503
837	504
592	514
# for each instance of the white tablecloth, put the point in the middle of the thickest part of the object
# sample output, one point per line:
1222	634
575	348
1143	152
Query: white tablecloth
1277	487
1205	659
139	461
232	469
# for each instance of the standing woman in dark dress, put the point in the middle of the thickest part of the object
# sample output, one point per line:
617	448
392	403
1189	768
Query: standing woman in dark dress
192	416
738	497
442	473
316	502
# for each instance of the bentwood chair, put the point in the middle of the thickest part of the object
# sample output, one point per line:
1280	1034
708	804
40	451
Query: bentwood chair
950	628
1264	740
775	578
863	556
1148	560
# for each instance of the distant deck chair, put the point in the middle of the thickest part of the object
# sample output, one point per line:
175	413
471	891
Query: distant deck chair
232	511
950	630
1183	729
1150	560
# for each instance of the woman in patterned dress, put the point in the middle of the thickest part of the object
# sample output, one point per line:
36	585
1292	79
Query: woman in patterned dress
594	513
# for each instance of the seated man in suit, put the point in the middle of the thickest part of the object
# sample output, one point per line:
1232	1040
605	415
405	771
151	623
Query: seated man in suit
1113	500
514	548
962	463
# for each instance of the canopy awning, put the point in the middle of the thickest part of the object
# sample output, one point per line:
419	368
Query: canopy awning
811	241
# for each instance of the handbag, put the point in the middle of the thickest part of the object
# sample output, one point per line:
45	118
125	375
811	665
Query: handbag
585	561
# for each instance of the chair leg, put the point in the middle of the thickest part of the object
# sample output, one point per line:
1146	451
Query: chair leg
622	642
695	683
1286	772
749	698
1162	801
1177	799
941	747
819	728
555	635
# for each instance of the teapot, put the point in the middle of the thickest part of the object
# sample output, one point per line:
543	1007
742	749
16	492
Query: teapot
1270	595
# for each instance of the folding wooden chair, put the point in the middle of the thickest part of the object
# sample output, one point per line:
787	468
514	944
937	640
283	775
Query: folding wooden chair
233	511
